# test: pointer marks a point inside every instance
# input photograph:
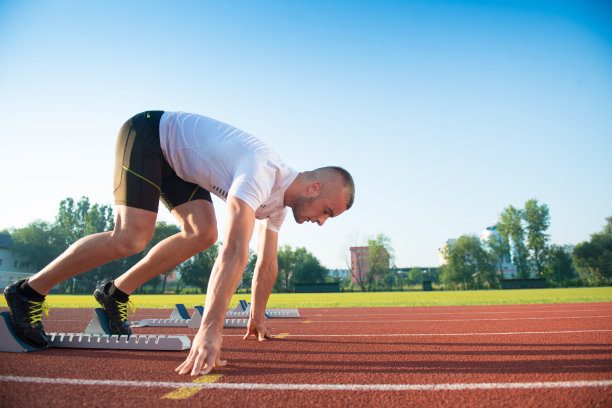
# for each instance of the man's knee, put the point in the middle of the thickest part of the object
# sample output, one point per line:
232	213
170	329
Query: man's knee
204	238
128	242
134	229
199	239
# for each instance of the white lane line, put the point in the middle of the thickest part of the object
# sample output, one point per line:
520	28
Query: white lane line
410	312
425	334
463	320
311	387
436	334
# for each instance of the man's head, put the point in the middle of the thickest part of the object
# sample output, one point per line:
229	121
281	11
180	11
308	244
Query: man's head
320	194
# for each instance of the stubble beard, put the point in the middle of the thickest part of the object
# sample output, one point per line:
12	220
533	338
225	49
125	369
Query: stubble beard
298	206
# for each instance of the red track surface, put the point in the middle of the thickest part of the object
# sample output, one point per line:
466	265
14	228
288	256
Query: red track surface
553	355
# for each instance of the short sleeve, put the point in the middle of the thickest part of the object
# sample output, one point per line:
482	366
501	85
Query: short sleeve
253	183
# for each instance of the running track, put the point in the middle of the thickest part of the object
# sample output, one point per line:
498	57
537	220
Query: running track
552	355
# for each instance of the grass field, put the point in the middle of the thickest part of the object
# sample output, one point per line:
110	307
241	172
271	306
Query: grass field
364	299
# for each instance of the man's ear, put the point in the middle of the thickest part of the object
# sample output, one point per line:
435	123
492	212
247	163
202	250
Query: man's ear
314	189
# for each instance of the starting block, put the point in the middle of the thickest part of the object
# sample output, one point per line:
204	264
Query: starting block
96	337
180	318
9	340
243	309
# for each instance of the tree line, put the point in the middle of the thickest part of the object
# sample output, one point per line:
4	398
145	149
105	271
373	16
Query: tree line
41	242
522	238
471	263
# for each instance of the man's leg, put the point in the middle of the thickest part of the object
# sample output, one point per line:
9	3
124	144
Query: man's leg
198	232
133	230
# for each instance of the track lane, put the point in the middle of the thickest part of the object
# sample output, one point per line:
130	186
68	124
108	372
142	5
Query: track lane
409	353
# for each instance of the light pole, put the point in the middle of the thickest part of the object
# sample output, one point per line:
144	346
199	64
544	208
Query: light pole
610	225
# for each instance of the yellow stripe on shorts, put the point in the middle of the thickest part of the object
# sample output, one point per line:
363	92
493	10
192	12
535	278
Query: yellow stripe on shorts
144	178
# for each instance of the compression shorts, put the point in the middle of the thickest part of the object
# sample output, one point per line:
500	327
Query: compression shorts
143	177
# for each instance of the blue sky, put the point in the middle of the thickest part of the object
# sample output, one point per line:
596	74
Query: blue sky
445	112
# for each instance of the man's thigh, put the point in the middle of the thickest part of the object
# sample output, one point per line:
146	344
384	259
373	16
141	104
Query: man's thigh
139	162
196	216
134	224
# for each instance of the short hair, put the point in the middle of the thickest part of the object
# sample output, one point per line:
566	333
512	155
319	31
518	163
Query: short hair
348	185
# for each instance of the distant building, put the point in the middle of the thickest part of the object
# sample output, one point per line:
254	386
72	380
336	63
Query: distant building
448	244
360	264
12	266
338	273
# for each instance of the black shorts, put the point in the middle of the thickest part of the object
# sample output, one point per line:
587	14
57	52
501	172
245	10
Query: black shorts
142	174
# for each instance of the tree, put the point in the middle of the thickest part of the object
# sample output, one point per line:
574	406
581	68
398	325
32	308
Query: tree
593	258
415	276
380	258
196	271
511	228
308	269
76	220
499	250
286	262
467	262
559	268
297	266
39	242
42	242
537	219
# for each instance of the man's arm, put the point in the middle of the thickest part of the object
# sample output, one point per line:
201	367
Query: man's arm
264	277
224	278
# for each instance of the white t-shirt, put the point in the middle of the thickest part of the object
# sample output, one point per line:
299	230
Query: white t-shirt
225	160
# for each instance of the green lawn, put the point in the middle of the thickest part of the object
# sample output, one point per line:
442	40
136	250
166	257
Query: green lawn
367	299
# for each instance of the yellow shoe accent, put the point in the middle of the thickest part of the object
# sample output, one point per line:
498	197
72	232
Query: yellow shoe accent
126	309
36	311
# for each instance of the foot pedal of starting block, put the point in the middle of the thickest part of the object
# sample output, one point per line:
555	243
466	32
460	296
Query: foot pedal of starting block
98	323
240	307
180	312
8	339
196	319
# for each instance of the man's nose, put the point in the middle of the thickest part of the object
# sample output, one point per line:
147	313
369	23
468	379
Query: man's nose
321	220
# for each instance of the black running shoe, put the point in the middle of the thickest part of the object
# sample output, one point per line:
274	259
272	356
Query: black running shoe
117	312
26	316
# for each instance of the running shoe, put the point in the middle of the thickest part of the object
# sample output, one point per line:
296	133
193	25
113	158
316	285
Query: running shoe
26	316
117	312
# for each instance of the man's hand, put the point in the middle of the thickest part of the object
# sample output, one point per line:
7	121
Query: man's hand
257	329
204	354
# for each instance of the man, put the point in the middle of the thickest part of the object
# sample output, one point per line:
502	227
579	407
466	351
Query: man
181	158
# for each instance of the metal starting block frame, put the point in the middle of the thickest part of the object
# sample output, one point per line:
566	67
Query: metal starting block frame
115	342
177	319
96	336
243	309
